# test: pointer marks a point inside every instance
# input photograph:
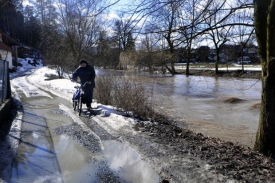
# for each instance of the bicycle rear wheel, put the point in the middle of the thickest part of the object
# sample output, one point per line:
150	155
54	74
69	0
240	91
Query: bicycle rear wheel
74	104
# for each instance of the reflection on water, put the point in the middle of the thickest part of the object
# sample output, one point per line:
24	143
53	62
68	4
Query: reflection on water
125	160
36	159
44	156
198	103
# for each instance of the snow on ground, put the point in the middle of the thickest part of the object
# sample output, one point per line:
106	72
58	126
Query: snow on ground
232	67
28	89
110	118
60	87
28	63
65	88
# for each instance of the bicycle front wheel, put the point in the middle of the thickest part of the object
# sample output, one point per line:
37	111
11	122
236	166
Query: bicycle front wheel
79	106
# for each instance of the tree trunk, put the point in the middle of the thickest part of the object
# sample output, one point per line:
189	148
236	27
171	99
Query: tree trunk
265	32
173	67
265	137
217	60
187	72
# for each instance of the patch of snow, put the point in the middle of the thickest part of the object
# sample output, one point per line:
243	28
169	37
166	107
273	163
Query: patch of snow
65	88
28	89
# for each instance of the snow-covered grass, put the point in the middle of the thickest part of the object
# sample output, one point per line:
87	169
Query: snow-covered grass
222	67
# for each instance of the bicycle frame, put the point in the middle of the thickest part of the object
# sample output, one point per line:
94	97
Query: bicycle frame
77	104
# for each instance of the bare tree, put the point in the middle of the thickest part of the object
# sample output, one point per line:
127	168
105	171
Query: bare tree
107	56
124	29
151	56
46	11
265	31
242	32
191	20
219	36
164	22
146	53
177	22
80	22
80	27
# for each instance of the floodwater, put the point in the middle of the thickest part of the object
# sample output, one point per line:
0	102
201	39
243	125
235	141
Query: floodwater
199	103
44	156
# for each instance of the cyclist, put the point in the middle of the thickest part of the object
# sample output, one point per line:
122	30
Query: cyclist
86	74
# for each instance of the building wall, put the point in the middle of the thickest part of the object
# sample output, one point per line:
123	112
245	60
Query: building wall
5	108
6	55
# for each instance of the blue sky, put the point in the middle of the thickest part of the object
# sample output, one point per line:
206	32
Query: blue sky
121	5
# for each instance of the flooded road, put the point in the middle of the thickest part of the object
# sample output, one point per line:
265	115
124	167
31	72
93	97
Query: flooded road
56	145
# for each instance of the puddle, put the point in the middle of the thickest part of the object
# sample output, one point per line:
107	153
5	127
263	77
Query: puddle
36	158
45	156
128	163
75	161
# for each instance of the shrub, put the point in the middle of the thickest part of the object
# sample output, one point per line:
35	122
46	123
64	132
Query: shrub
103	89
124	93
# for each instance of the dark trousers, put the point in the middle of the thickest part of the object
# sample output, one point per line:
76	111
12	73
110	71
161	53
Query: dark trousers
88	92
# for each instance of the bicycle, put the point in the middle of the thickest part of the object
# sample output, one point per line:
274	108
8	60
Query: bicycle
79	98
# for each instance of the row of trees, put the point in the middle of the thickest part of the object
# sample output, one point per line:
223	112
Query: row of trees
19	23
82	29
67	30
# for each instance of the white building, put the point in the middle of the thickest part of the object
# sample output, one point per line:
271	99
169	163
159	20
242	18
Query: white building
6	51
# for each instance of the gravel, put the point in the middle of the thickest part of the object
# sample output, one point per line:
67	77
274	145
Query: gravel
226	158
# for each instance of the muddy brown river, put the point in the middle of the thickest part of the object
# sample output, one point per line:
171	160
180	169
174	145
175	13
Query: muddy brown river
204	105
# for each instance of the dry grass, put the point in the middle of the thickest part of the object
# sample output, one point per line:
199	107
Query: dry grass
103	90
123	93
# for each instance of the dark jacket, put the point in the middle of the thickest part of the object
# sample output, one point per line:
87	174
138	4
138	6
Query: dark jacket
85	74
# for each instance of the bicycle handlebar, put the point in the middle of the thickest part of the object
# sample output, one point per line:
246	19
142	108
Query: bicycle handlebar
80	84
85	83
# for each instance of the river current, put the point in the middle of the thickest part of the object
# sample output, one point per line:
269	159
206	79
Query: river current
226	108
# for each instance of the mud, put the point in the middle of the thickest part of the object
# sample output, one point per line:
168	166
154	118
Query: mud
228	159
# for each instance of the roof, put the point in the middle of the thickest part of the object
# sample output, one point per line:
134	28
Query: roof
8	40
5	47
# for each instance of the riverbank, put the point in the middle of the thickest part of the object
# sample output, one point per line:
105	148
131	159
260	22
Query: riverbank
231	160
228	74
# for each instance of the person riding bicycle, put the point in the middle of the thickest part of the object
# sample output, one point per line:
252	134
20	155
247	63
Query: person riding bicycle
86	74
